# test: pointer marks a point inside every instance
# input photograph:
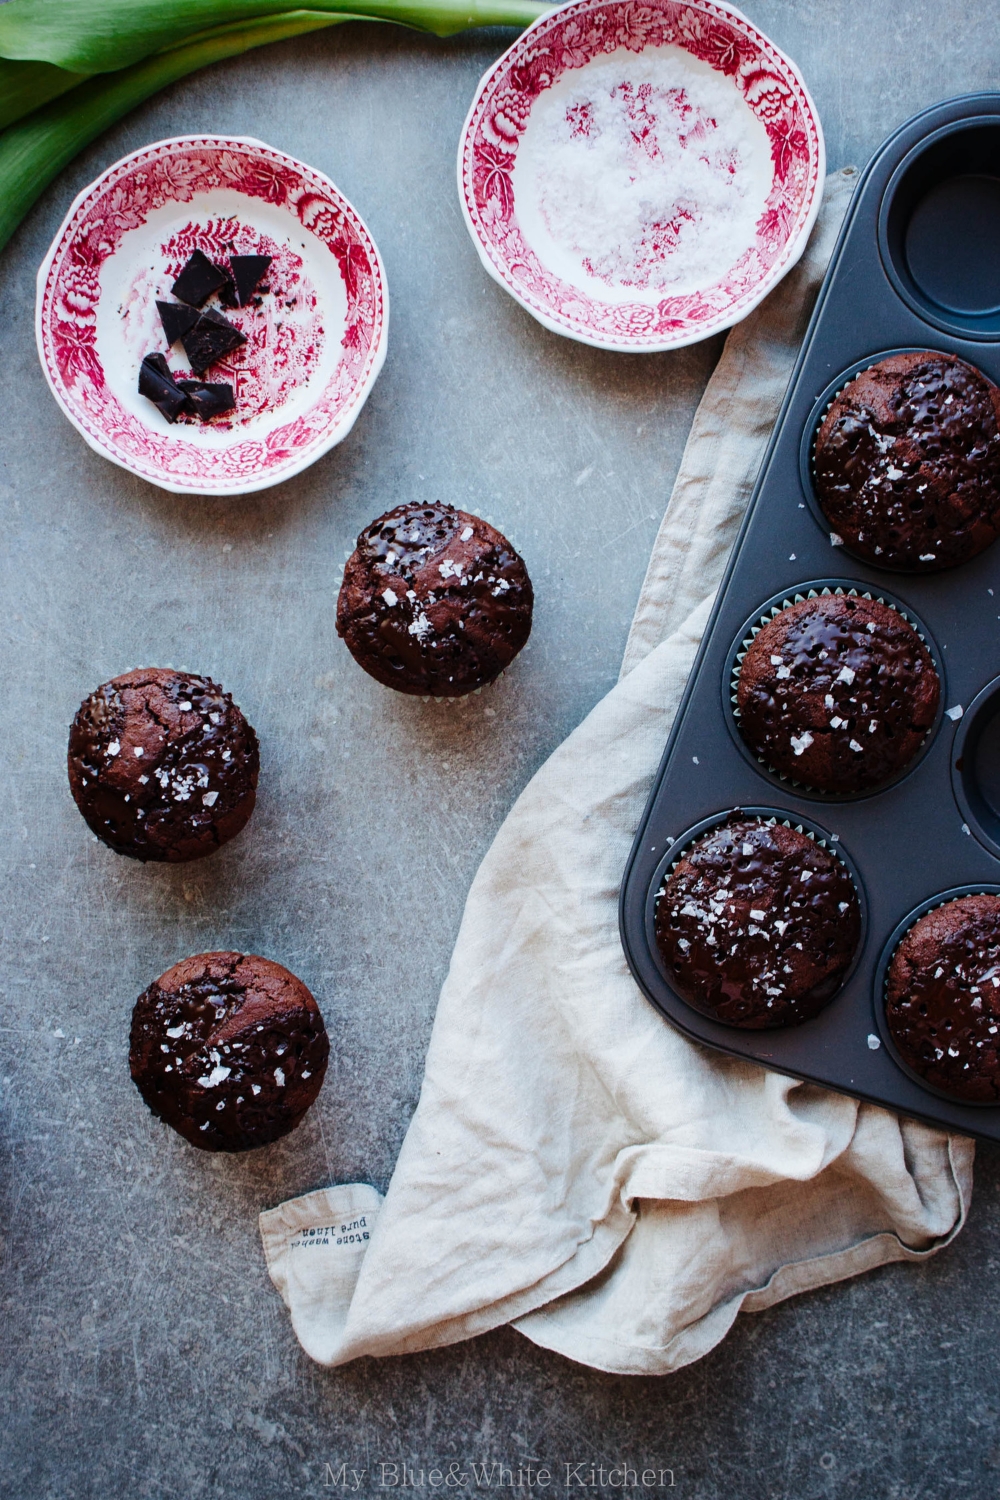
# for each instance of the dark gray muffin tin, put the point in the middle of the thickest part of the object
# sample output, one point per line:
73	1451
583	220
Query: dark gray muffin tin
917	266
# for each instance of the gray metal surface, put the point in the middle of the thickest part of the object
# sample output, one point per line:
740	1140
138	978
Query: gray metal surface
144	1350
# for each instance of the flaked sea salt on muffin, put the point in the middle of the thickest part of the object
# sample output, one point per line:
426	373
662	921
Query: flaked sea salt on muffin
906	464
435	601
163	765
942	998
229	1049
837	692
757	924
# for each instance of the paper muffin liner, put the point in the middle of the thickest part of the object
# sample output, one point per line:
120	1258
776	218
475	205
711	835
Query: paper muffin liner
461	700
902	929
845	590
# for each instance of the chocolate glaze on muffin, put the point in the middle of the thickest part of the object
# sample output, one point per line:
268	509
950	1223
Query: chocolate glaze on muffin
229	1049
837	692
163	765
942	1001
758	924
907	462
434	601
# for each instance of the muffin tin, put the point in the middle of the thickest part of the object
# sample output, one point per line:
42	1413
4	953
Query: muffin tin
915	268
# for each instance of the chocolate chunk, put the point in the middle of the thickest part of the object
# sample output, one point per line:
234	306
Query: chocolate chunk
157	363
211	338
247	272
208	400
157	384
198	280
176	318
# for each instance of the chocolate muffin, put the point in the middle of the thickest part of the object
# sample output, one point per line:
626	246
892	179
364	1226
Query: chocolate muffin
757	924
942	998
837	692
163	765
229	1049
434	601
907	462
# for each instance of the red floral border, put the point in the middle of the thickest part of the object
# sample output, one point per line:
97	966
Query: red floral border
121	200
573	36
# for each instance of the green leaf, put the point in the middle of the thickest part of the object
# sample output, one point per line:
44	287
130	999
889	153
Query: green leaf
35	150
25	86
92	36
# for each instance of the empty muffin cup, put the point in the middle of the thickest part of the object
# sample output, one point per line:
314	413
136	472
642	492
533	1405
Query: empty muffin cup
939	224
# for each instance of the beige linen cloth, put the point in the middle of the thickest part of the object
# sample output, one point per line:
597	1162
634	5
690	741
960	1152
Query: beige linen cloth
575	1166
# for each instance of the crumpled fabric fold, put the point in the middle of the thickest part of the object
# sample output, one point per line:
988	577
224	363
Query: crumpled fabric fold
575	1166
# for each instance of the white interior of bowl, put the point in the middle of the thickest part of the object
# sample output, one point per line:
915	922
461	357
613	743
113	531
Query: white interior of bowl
129	327
641	175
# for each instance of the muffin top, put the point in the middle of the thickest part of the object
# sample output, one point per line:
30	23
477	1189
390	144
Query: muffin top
942	1001
229	1049
758	924
907	462
837	692
163	765
434	601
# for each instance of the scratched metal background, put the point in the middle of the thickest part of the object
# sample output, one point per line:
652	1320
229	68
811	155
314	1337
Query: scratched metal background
144	1351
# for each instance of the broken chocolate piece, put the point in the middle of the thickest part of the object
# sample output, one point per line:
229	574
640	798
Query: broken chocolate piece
228	295
158	362
176	318
247	272
198	280
208	400
212	337
157	384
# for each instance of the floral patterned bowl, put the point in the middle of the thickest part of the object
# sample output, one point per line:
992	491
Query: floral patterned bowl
640	175
315	344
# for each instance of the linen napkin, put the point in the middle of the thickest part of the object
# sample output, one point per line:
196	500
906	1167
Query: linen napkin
575	1166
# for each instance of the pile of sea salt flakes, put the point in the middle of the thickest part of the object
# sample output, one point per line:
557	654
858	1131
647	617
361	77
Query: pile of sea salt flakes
650	170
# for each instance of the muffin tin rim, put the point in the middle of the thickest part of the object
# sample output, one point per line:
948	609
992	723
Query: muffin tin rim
826	840
892	942
989	690
817	587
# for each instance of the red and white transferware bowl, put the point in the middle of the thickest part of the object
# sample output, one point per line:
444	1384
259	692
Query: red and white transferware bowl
315	344
640	175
